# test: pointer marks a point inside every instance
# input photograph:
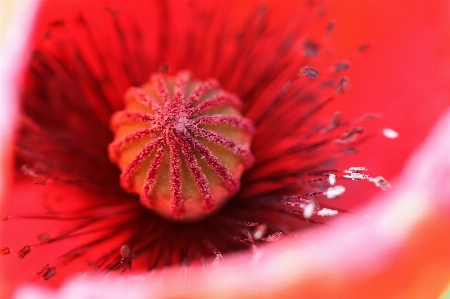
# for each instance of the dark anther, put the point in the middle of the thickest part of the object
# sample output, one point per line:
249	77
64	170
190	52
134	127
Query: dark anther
311	48
44	269
164	67
309	72
330	27
5	250
24	251
363	48
343	85
341	66
49	273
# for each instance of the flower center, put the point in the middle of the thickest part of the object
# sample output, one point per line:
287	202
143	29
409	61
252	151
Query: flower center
174	118
182	145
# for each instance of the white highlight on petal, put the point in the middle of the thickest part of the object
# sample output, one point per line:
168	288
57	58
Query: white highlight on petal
332	179
389	133
327	212
260	231
334	192
308	211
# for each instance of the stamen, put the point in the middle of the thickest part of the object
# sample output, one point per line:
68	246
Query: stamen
333	192
327	212
311	48
330	27
31	173
389	133
309	210
43	269
125	251
273	237
381	182
343	85
336	121
332	178
49	273
260	231
24	251
350	134
341	66
363	47
309	72
355	174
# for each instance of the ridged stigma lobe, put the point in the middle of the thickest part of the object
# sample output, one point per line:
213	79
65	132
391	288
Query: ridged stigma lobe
182	145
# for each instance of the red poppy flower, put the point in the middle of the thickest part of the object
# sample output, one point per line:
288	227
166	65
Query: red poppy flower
270	60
